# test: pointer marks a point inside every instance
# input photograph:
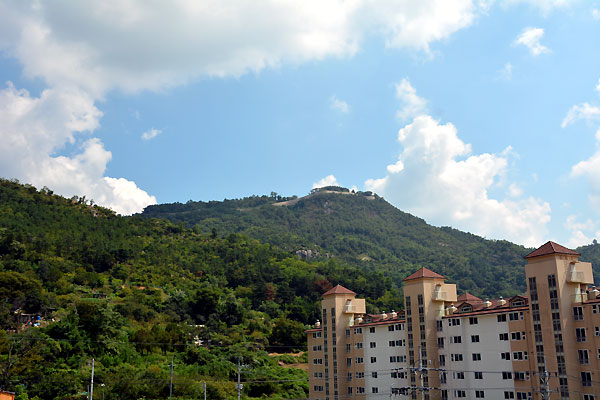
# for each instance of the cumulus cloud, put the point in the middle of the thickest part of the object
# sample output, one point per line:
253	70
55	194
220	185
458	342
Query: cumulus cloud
33	129
135	45
151	134
329	180
581	233
530	38
412	104
442	181
339	105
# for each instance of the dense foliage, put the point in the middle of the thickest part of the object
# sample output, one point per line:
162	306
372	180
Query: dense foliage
363	230
135	294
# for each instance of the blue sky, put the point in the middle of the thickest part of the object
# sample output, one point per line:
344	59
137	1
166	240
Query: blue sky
478	115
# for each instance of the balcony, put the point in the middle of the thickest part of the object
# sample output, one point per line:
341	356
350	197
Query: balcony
438	295
576	277
349	309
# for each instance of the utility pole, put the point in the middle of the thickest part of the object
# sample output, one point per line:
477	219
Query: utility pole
544	378
239	385
92	382
204	386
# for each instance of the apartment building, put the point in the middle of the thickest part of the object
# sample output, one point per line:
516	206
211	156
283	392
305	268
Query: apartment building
544	344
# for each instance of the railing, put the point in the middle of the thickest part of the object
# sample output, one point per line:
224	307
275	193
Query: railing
349	308
579	298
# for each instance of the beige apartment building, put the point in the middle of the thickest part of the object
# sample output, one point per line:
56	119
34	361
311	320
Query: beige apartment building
544	344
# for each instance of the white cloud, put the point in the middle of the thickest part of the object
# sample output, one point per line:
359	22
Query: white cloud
442	182
151	134
514	190
583	111
339	105
506	72
329	180
530	38
581	233
136	44
595	14
35	128
412	104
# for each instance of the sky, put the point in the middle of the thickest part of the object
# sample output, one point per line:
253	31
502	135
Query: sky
476	114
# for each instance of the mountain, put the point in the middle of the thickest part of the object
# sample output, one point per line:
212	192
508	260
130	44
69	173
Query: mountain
136	294
363	230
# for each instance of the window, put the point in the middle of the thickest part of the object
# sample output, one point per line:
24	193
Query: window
348	332
459	375
359	360
443	359
460	393
372	345
476	356
501	317
441	342
359	345
478	375
586	378
454	322
349	362
373	360
507	375
455	339
439	325
519	355
349	376
348	347
444	394
349	389
360	389
509	395
318	388
589	397
473	320
374	374
522	376
479	394
317	348
552	280
372	329
358	331
580	334
503	336
360	375
505	356
391	328
515	335
374	390
318	361
515	316
443	377
474	338
584	357
597	330
456	357
578	313
517	303
594	309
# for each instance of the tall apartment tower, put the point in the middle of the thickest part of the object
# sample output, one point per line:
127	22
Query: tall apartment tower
339	309
425	298
557	284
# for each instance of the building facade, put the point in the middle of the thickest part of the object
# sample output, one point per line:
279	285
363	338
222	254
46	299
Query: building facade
544	344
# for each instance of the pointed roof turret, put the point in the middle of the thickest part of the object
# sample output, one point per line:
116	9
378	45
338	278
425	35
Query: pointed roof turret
424	273
468	297
338	289
551	248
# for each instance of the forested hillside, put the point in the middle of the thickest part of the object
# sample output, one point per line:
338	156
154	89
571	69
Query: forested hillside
136	293
364	230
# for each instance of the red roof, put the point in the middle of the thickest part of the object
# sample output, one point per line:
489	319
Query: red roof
338	289
467	297
551	248
424	273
